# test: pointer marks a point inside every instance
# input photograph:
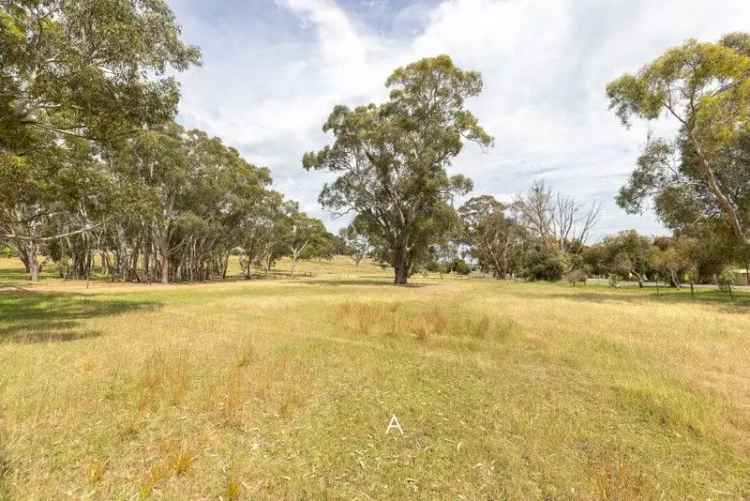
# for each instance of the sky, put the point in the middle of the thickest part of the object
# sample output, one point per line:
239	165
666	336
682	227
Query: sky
274	69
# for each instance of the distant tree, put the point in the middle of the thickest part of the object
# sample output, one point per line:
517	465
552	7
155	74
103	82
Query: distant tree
323	247
726	282
688	253
575	276
593	259
703	172
48	195
554	218
543	263
357	243
303	235
261	233
494	239
460	267
392	159
715	248
626	254
667	263
157	161
341	247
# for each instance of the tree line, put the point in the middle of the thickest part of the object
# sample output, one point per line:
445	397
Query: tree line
392	160
94	168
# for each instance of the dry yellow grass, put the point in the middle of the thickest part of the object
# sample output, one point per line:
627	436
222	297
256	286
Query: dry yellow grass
283	389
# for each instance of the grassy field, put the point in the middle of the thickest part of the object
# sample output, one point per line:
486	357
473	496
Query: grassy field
284	389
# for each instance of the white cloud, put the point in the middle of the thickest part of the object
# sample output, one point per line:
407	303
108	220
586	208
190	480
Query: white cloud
545	64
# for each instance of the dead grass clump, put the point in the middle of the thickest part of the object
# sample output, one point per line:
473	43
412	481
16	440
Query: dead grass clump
392	319
232	398
181	460
614	478
481	326
364	318
233	485
96	470
246	357
478	327
162	380
421	328
176	458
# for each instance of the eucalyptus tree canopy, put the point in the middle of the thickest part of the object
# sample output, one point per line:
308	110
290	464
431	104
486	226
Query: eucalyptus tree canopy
495	239
87	69
196	197
93	68
704	172
626	254
356	242
54	193
303	236
392	158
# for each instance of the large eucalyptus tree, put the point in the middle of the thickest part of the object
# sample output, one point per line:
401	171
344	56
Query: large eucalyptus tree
703	173
392	159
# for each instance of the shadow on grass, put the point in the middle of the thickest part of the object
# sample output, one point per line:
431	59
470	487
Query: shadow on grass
15	275
32	317
740	303
363	282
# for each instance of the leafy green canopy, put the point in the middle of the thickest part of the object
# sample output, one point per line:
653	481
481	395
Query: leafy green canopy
494	239
392	158
703	173
93	68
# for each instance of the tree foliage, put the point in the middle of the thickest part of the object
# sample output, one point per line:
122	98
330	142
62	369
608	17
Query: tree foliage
495	240
702	173
392	158
92	68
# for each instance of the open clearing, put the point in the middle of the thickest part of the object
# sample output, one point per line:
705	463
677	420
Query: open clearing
285	388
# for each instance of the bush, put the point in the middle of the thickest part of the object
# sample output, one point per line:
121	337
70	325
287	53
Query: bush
614	280
576	276
432	266
544	264
726	281
460	267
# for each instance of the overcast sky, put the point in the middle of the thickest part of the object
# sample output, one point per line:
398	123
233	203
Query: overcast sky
274	69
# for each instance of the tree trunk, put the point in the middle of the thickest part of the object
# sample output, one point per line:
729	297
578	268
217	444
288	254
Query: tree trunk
730	213
105	262
640	279
23	255
401	267
401	274
164	262
147	262
33	264
226	266
675	280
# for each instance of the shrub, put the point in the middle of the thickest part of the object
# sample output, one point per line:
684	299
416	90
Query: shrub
576	276
544	264
726	281
460	267
432	266
614	280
